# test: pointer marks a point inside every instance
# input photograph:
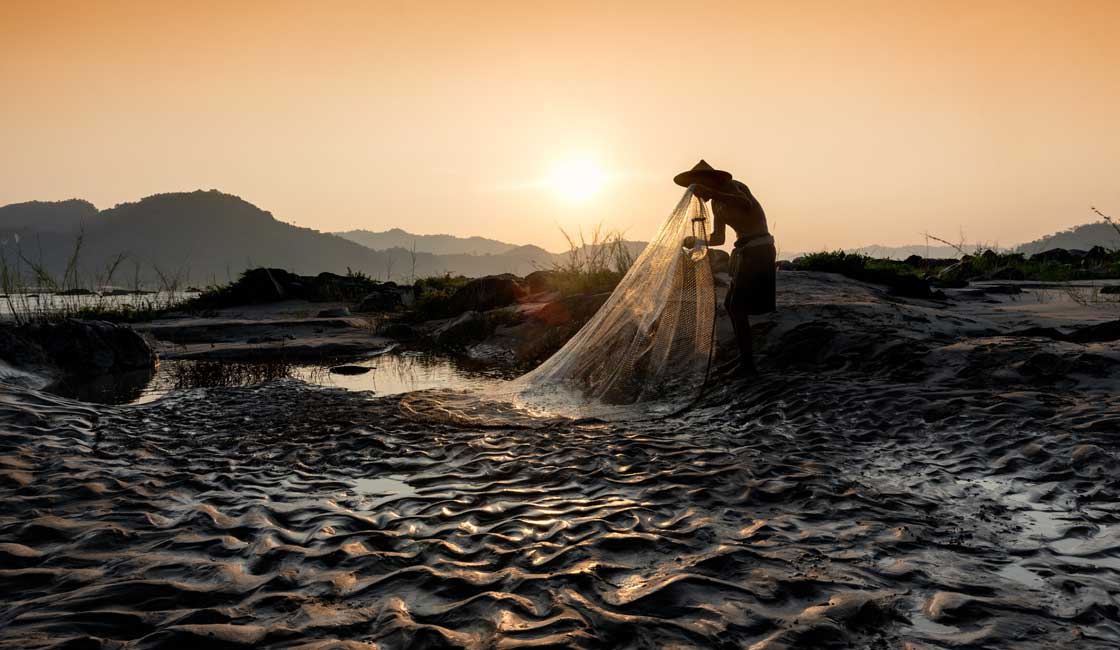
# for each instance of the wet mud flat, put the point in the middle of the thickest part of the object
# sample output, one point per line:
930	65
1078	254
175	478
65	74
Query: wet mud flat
798	512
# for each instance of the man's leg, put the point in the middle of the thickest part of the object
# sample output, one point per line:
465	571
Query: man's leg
741	321
737	309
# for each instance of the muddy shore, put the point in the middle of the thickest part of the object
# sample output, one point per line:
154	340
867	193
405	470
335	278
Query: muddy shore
903	474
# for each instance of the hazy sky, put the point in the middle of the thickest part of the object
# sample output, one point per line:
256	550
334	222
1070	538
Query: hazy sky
853	122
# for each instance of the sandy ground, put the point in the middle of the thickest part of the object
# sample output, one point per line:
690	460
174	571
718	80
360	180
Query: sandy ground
903	475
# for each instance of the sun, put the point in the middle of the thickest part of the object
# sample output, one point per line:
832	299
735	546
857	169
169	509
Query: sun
576	179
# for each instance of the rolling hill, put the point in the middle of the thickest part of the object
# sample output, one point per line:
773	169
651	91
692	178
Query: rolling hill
1081	237
436	244
207	237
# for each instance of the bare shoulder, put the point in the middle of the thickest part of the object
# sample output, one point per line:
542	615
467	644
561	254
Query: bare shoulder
741	187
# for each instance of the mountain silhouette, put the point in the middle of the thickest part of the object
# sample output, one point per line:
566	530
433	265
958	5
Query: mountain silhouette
436	244
1081	237
209	237
42	216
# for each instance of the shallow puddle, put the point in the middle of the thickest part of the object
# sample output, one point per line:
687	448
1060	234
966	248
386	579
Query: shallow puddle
388	374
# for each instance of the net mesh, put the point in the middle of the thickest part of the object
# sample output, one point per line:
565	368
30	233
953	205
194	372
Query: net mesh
649	347
645	353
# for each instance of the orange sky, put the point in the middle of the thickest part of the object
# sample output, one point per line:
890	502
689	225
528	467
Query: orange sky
853	122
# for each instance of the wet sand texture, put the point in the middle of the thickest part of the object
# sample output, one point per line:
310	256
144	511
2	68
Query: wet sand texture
864	497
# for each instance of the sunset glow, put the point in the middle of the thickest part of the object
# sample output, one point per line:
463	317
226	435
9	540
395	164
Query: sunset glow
576	179
901	117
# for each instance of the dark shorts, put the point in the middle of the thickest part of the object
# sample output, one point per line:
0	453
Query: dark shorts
753	271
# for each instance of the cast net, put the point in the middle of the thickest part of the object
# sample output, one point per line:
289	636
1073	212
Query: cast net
646	351
649	347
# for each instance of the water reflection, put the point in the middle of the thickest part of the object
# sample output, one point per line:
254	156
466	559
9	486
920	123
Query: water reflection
386	375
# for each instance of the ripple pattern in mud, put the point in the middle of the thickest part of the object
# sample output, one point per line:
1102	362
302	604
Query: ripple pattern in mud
798	514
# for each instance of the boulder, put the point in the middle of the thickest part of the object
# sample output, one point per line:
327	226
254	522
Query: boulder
383	299
544	330
786	265
484	294
541	281
1057	256
466	328
268	285
77	348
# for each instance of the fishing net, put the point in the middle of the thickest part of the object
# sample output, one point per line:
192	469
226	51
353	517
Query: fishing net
646	352
650	345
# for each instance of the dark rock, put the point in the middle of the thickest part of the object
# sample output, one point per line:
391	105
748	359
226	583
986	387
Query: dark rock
1057	255
19	348
459	332
484	294
268	285
1110	289
914	260
337	312
545	330
350	370
719	260
540	281
77	348
786	265
383	299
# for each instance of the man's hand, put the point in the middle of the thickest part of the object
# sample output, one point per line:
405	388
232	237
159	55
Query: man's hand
703	191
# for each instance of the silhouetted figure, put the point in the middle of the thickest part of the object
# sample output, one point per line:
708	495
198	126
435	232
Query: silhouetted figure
753	259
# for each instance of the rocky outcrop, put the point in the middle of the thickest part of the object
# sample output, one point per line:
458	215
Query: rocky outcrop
383	299
264	285
484	294
75	349
541	281
458	332
542	330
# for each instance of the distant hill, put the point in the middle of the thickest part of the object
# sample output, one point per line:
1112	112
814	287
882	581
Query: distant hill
1081	237
435	244
56	216
206	237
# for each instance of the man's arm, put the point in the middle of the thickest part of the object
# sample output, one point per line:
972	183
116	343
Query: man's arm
732	198
719	232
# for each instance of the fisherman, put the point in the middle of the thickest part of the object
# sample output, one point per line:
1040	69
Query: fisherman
752	269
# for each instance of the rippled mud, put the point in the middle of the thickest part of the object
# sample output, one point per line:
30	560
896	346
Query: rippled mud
791	513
